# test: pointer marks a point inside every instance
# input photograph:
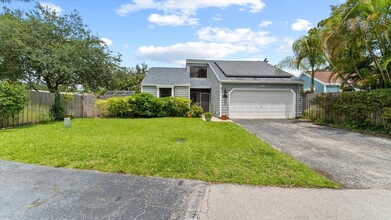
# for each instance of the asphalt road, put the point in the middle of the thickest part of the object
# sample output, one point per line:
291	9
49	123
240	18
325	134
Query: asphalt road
355	160
38	192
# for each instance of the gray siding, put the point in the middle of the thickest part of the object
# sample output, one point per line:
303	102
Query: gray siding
181	91
295	88
299	101
214	92
150	89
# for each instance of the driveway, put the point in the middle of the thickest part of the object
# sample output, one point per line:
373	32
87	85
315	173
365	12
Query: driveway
355	160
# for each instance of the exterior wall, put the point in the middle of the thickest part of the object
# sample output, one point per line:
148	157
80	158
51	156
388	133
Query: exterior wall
215	93
182	91
332	88
295	87
150	89
319	87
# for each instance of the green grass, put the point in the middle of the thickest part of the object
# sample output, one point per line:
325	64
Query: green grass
214	152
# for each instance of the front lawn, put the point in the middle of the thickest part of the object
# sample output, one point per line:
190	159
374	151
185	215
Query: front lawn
164	147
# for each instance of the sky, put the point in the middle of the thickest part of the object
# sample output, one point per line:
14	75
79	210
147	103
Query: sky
167	32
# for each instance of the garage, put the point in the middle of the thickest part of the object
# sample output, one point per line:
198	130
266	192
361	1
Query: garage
262	103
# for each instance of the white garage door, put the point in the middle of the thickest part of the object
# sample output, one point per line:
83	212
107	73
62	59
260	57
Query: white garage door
267	104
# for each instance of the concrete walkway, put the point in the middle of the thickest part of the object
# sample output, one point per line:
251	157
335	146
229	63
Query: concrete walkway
38	192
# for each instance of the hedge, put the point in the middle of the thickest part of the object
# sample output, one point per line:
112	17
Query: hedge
369	110
144	105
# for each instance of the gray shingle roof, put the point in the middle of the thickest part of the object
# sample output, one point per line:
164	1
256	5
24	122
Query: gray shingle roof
166	76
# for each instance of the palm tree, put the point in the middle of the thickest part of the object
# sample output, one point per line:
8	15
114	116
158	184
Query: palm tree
308	55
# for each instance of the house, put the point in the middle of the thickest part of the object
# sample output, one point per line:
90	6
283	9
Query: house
238	89
324	82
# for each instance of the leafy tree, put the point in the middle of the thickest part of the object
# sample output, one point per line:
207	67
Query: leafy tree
13	99
41	47
356	41
308	55
129	79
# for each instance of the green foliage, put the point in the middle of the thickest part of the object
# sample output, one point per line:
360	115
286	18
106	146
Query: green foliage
195	111
143	105
58	108
41	47
13	99
129	79
358	110
208	116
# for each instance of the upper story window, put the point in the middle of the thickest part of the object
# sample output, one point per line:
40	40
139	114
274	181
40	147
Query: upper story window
198	72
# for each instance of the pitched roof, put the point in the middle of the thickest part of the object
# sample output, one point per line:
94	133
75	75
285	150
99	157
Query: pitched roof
250	69
271	75
324	76
166	76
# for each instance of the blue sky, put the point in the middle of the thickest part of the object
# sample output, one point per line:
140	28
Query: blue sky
166	32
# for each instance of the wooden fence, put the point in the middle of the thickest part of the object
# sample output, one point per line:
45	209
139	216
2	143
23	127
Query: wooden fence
38	110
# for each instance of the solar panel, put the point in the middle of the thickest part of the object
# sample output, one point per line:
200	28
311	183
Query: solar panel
250	69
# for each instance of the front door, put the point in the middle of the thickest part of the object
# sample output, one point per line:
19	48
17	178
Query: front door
205	99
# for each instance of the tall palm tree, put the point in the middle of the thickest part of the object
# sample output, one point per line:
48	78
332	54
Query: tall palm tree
308	55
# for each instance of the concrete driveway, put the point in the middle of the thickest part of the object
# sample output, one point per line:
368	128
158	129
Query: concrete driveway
355	160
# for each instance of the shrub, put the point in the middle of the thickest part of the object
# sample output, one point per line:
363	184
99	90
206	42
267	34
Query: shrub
58	108
146	105
13	99
195	111
114	107
174	107
143	105
359	110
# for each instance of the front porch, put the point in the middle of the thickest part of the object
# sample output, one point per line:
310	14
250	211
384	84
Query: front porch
201	97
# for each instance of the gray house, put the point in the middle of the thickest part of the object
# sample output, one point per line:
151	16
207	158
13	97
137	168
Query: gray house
239	89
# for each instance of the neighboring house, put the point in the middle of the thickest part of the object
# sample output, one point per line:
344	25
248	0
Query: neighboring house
323	82
238	89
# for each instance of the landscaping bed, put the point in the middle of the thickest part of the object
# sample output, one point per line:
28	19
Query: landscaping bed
164	147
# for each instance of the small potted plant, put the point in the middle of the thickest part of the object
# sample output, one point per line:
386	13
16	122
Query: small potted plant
208	116
224	117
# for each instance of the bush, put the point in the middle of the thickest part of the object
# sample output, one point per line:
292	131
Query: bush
195	111
358	110
58	108
143	105
13	99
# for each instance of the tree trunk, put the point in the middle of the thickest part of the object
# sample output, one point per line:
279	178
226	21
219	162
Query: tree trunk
312	87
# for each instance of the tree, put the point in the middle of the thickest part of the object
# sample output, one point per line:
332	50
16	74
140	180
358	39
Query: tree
13	99
129	79
41	47
356	41
308	55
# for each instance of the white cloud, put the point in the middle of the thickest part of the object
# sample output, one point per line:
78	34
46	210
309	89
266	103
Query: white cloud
286	47
217	17
242	36
178	53
189	6
301	25
265	23
106	41
173	20
52	7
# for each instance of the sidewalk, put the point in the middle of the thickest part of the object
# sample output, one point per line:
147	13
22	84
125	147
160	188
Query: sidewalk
225	201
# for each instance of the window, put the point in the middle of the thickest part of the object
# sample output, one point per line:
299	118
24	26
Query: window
164	92
198	72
